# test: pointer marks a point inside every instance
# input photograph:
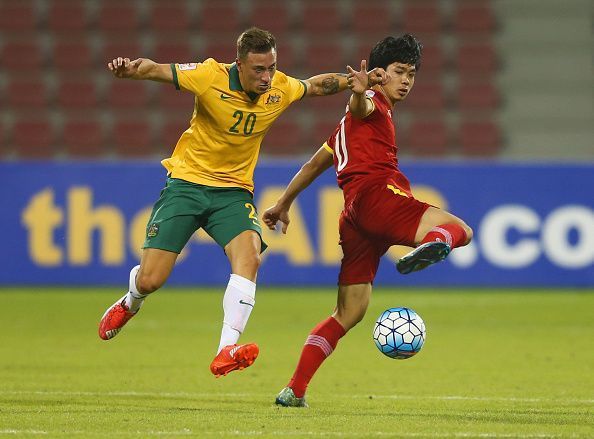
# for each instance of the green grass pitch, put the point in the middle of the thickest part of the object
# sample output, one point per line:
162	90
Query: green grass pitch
496	364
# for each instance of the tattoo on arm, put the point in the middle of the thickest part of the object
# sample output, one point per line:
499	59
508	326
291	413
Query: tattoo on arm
330	86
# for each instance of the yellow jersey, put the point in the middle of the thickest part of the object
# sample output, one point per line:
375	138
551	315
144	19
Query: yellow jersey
222	144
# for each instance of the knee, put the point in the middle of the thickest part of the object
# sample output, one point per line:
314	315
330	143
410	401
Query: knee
248	265
147	283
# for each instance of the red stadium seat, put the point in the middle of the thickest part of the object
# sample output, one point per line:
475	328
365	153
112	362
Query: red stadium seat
322	129
426	96
476	60
121	17
73	55
27	94
326	107
21	56
133	138
271	15
432	61
67	16
372	19
224	52
17	17
286	59
220	17
174	52
321	57
4	153
474	19
284	138
114	48
169	17
321	18
33	139
425	138
178	102
77	94
480	96
479	138
170	132
127	94
422	18
83	138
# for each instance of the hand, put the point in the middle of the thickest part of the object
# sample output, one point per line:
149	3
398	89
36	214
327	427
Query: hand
274	214
123	67
377	76
362	80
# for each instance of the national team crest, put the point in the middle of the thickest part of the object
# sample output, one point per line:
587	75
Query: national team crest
153	230
273	99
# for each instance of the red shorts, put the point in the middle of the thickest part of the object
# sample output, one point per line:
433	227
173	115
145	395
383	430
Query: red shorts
377	219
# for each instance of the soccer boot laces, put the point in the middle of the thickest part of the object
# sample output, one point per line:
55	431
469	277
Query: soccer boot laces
287	398
423	256
234	357
114	319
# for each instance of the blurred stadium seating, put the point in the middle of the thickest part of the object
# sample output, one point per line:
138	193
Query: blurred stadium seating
59	100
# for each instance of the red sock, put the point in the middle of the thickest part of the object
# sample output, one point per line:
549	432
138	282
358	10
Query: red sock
452	234
321	342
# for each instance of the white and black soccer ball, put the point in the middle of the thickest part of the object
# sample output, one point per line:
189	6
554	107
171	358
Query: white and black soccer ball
399	333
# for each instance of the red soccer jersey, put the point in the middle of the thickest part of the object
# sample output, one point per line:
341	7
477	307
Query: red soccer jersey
365	150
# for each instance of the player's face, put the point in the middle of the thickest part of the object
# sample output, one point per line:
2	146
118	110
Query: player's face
256	71
402	79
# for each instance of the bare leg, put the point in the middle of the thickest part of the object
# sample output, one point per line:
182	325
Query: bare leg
352	304
155	267
243	252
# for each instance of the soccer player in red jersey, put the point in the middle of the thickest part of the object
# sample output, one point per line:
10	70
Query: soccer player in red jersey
379	208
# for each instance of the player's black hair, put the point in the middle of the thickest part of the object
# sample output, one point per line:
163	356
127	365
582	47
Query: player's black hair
405	49
255	40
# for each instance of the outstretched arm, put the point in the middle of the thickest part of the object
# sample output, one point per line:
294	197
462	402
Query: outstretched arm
331	83
311	170
360	105
326	84
141	68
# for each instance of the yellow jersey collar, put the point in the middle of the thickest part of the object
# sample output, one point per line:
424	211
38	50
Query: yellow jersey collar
235	83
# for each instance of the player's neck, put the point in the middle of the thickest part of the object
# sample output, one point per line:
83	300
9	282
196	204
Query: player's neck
383	92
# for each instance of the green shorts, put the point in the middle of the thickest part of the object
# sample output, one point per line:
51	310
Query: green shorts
184	207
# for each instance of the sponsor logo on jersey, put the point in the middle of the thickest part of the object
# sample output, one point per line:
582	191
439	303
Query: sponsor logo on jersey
187	66
225	96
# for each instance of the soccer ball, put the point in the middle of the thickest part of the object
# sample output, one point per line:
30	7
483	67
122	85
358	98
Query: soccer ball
399	333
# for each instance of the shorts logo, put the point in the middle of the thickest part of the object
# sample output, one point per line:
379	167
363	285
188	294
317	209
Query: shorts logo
153	230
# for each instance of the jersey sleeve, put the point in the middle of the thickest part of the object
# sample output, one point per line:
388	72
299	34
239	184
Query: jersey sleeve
295	88
194	77
328	147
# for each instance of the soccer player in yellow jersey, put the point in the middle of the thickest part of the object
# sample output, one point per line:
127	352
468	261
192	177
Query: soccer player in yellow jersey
210	177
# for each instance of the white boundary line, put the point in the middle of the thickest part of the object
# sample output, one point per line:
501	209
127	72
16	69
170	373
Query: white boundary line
259	395
187	432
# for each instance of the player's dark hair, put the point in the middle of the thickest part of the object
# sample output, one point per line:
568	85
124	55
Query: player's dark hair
255	40
405	49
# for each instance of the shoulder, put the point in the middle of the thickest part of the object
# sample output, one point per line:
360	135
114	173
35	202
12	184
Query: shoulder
280	79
